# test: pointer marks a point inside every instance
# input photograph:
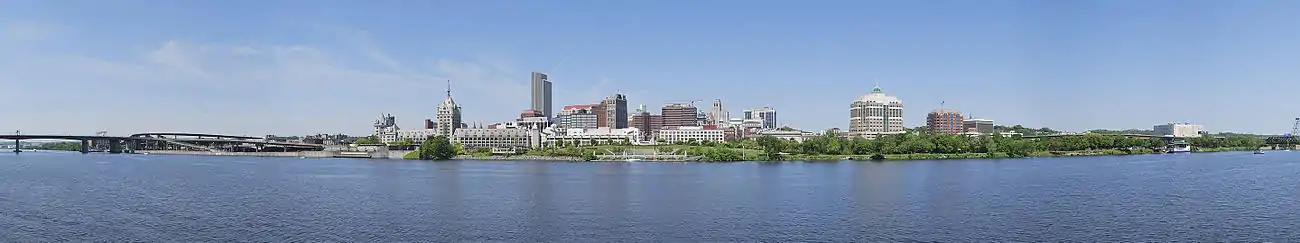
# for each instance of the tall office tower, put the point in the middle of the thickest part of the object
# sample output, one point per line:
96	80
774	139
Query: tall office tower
542	94
717	115
448	116
943	121
615	108
765	114
876	114
680	115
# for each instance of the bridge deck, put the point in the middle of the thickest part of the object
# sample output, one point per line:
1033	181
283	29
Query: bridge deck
144	138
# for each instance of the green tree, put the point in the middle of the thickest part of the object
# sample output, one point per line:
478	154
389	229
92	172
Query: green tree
367	140
771	146
61	146
437	148
722	154
404	142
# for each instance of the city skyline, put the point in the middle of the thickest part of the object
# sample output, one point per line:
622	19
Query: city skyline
257	68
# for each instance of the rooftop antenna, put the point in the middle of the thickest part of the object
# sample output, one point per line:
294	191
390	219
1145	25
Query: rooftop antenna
449	88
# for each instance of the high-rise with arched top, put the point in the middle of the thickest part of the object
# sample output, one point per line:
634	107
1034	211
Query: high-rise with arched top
876	114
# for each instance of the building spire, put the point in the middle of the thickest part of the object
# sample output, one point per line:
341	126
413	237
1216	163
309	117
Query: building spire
448	88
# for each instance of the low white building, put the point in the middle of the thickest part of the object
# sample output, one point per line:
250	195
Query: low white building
1179	130
471	138
603	135
419	136
685	134
792	135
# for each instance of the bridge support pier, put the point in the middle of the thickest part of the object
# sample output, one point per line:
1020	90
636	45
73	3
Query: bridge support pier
18	146
114	146
85	146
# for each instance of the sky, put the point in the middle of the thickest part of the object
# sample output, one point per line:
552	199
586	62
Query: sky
289	67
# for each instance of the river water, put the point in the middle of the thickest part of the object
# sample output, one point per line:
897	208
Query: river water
49	196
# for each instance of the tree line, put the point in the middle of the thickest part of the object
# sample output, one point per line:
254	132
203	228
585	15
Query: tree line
830	143
1014	146
62	146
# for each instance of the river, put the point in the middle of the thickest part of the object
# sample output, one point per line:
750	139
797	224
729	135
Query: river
52	196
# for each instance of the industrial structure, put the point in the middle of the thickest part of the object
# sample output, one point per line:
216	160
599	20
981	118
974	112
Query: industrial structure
1288	140
1179	130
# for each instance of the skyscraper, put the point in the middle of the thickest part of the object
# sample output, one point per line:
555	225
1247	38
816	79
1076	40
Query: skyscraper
615	108
876	114
542	94
717	115
448	115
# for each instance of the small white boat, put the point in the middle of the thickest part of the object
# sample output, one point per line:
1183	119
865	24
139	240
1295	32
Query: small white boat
633	160
1259	152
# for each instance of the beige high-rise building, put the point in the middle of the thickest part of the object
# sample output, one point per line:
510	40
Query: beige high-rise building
448	116
876	114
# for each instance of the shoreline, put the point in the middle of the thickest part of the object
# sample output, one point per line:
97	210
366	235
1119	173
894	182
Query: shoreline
866	158
792	158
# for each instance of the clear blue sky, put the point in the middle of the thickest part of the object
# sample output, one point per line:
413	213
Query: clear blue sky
299	67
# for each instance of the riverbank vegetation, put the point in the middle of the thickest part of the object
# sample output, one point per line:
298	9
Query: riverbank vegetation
61	146
436	148
913	145
921	145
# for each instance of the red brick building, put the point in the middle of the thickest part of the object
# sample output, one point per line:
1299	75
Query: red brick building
945	122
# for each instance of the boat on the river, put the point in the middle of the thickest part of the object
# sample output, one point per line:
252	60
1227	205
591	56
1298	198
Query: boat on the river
1259	152
1178	147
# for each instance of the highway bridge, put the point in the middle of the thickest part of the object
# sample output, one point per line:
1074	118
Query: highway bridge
172	141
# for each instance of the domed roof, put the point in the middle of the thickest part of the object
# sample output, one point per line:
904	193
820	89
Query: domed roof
877	95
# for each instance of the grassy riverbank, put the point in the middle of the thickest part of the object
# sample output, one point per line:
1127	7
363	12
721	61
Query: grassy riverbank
994	155
1225	149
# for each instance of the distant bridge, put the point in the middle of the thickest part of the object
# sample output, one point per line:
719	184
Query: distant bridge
1285	141
199	135
174	141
